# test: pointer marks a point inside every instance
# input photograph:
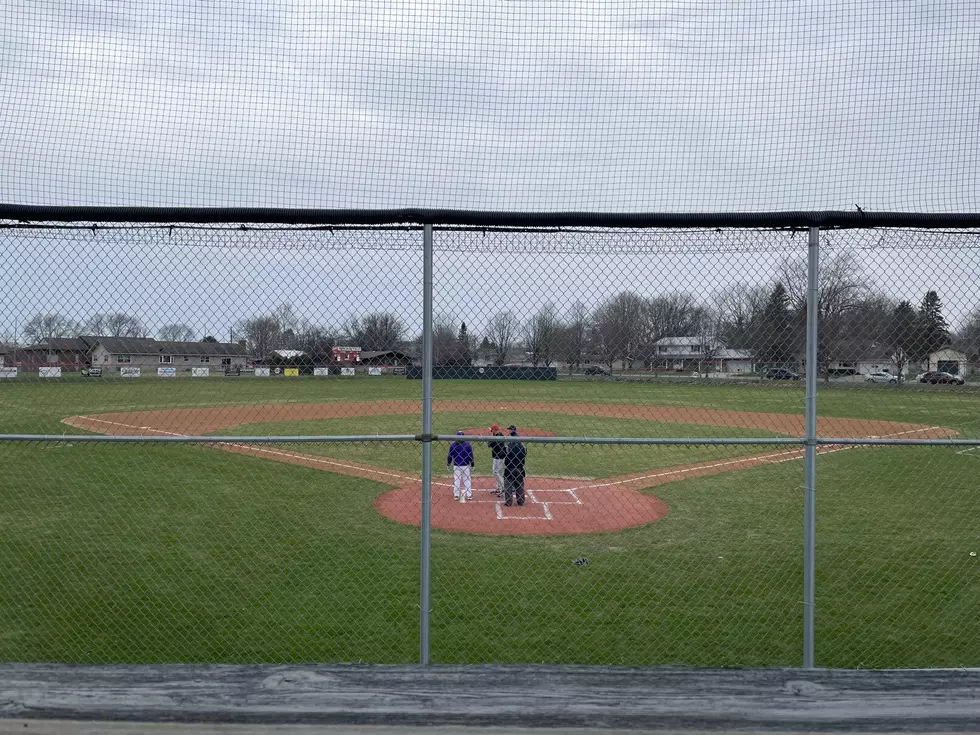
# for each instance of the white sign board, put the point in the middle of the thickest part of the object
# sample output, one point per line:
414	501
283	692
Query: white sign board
49	372
166	372
321	372
6	373
347	371
200	372
129	372
374	371
261	372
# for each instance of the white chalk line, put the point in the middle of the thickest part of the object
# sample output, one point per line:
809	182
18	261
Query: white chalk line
279	453
792	455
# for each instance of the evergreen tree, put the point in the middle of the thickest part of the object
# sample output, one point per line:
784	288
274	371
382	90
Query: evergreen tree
464	353
902	336
933	330
774	334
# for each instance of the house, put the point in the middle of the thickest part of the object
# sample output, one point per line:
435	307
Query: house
734	362
952	361
387	358
68	353
3	354
679	353
862	357
689	353
116	352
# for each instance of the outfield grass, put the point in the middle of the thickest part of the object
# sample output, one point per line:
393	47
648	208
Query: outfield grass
176	553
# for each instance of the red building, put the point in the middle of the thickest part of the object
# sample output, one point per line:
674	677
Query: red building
346	354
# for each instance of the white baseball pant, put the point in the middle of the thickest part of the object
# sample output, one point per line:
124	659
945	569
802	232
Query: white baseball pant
498	473
461	480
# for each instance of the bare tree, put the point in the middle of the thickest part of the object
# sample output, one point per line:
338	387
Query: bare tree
115	324
285	316
573	337
375	332
706	333
445	342
263	335
42	327
317	342
739	308
501	333
671	315
840	290
620	328
176	333
540	336
968	338
288	323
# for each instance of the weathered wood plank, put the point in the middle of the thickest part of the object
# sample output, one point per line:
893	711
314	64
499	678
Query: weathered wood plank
503	696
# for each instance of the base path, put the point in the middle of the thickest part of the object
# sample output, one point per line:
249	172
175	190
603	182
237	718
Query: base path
555	506
197	421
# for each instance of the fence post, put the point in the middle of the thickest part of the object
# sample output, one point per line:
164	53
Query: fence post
424	570
810	447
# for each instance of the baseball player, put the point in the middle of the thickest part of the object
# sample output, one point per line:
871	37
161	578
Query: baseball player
460	459
498	450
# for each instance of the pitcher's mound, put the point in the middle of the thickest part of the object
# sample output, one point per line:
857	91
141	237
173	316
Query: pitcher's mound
553	506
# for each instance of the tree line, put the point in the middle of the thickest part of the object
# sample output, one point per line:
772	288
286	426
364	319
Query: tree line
766	320
45	326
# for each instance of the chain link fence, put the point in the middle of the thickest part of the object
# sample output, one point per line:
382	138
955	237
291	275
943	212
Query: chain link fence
222	443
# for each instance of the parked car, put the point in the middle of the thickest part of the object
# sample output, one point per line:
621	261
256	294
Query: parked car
881	378
781	374
595	370
934	377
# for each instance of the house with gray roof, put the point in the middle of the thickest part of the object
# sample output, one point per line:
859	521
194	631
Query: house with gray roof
148	353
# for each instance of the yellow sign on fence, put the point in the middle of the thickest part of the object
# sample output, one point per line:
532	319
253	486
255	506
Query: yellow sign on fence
291	372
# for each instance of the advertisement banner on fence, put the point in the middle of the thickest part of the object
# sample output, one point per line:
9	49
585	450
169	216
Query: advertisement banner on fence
200	372
170	372
291	372
374	371
129	372
233	372
321	372
261	372
347	371
399	371
93	372
49	372
8	373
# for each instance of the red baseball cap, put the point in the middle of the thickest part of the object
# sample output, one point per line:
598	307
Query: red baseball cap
494	428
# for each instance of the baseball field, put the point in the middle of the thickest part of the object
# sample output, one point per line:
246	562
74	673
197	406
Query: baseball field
305	552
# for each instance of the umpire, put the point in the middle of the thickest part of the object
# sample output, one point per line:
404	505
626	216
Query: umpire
514	470
498	451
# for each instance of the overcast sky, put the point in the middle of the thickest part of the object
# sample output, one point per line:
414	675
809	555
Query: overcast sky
657	105
211	279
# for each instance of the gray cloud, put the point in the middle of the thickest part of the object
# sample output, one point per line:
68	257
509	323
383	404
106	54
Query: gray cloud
499	104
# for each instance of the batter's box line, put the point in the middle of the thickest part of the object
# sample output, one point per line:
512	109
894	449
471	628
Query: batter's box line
971	452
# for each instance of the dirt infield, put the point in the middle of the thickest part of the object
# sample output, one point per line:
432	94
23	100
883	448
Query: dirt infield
195	421
554	505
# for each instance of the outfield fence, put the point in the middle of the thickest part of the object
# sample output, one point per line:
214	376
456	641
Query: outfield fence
751	440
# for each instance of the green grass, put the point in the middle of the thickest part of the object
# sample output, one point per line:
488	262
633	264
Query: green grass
176	553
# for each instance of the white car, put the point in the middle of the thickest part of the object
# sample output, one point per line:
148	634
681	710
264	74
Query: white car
881	378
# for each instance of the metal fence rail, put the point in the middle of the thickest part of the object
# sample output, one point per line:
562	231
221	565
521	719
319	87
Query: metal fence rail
667	438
